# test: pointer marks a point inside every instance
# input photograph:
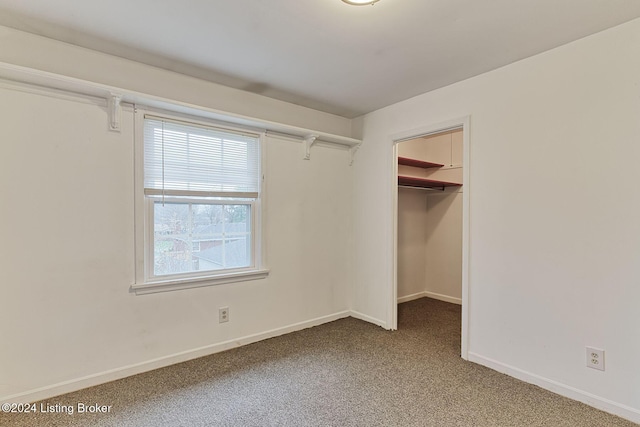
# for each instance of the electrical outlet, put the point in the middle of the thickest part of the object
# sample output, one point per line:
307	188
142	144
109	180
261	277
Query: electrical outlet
223	314
595	358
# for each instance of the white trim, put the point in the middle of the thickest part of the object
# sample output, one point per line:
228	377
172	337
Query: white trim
260	204
139	210
427	130
393	310
432	295
598	402
457	123
364	317
441	297
411	297
161	362
466	234
152	287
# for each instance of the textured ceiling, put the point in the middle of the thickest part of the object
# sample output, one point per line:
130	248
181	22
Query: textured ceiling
323	54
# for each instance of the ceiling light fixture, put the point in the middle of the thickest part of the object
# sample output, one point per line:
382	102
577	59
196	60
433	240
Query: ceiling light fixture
360	2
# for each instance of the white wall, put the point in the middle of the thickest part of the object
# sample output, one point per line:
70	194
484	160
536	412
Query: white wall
554	229
443	247
412	243
67	252
554	211
40	53
429	245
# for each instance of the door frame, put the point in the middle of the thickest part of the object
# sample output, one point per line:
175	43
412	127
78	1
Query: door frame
426	130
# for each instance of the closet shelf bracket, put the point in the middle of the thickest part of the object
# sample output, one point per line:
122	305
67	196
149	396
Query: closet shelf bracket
352	153
309	140
115	112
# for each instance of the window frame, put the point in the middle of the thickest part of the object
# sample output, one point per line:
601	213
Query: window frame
145	279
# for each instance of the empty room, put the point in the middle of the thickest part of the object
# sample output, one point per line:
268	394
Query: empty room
320	213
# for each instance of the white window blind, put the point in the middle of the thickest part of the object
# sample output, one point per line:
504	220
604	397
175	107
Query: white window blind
183	159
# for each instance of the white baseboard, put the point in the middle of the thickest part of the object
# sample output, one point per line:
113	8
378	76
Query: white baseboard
411	297
445	298
161	362
432	295
598	402
358	315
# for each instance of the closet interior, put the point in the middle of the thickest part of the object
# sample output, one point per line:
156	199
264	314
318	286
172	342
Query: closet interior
430	217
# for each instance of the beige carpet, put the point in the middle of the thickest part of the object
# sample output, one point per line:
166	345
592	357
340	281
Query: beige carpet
345	373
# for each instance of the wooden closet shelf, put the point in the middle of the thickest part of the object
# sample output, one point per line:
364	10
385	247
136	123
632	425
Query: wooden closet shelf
411	181
406	161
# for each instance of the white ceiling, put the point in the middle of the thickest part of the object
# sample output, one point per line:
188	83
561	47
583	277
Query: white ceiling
324	54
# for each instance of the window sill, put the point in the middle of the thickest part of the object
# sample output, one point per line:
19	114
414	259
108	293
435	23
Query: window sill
189	283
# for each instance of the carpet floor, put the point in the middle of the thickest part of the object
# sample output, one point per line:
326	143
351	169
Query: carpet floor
343	373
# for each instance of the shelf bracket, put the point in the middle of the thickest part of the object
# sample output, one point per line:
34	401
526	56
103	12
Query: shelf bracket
115	112
309	140
352	153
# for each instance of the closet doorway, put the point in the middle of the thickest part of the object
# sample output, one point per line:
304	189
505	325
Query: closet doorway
431	217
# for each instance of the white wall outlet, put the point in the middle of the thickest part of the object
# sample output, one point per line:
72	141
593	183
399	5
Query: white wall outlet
595	358
223	314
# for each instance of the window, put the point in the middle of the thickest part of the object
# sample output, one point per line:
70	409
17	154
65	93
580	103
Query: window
201	191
